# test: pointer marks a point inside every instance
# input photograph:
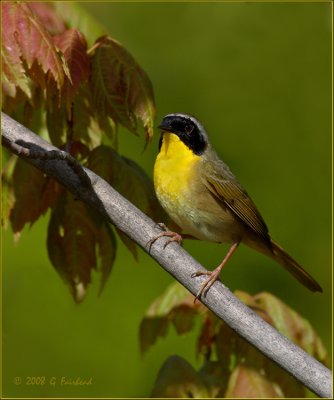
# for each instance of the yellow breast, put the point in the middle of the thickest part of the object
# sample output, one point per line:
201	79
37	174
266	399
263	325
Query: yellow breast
181	192
174	171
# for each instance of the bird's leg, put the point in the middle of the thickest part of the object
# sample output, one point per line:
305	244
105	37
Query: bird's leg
214	275
173	237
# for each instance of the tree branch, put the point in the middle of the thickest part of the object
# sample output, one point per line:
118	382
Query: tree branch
139	227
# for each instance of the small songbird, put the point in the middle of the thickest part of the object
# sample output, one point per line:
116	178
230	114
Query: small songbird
203	197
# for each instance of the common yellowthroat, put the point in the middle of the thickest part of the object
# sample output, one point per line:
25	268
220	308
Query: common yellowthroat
204	198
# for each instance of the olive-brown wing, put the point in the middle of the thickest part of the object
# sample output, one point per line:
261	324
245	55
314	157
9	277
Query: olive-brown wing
225	188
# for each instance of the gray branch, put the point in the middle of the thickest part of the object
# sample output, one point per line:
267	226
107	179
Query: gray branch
139	227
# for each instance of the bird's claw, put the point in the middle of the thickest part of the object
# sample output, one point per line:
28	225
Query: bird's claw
162	226
173	237
200	273
206	285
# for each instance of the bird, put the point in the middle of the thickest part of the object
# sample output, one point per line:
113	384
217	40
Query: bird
204	198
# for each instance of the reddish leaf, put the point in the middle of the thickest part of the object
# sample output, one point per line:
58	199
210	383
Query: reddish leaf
248	383
129	243
24	36
229	347
254	375
251	302
214	378
289	323
241	370
79	150
250	373
175	306
207	336
75	15
7	190
34	194
106	242
74	234
50	194
87	126
103	124
178	379
33	113
73	45
55	121
71	245
13	73
128	178
100	162
82	119
8	30
120	87
51	21
150	330
183	317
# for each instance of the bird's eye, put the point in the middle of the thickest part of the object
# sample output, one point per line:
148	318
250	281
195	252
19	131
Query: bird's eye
188	128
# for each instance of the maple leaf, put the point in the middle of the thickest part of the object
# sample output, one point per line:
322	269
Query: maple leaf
79	241
24	38
73	45
120	87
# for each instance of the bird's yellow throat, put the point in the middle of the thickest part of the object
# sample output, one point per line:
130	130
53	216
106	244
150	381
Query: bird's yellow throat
173	147
174	167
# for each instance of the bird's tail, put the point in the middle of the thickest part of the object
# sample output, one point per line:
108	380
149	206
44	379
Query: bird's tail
283	258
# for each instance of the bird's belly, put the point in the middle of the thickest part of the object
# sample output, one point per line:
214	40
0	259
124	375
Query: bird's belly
188	202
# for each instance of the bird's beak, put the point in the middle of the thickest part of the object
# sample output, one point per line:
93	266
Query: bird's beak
164	127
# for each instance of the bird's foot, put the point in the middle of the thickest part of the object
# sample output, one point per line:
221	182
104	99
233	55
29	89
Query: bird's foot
173	237
205	286
213	275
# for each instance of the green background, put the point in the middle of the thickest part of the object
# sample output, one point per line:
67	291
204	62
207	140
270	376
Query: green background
258	75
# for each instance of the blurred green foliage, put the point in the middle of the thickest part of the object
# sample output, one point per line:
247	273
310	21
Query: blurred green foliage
258	75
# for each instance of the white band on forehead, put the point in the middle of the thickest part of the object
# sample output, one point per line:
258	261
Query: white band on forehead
193	119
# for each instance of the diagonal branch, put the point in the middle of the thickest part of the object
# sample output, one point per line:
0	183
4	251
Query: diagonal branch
139	227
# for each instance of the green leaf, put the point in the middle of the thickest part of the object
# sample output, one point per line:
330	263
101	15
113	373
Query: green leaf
75	235
120	87
178	379
175	306
34	194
